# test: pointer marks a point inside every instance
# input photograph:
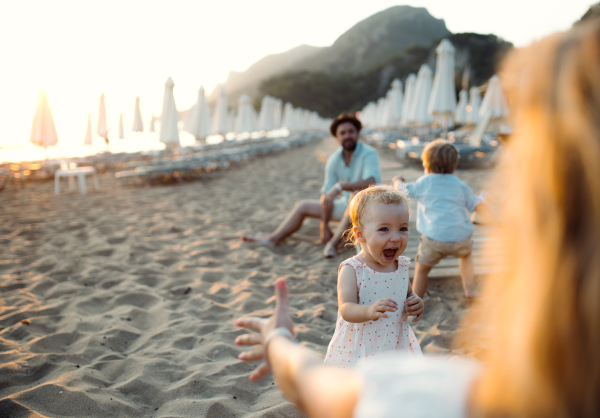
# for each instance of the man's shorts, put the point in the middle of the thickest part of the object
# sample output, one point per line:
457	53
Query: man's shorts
431	251
340	204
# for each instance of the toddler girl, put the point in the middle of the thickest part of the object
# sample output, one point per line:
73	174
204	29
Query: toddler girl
374	293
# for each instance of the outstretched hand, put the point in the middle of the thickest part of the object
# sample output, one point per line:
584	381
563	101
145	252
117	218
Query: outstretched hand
280	318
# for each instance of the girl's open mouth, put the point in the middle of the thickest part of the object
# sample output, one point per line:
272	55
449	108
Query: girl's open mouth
389	253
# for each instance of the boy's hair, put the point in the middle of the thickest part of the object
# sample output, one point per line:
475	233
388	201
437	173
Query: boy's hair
361	202
440	156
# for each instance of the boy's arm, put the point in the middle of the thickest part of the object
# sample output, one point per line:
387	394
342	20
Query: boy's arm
486	212
414	304
350	310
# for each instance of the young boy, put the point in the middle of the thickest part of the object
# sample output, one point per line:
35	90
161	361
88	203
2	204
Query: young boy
443	215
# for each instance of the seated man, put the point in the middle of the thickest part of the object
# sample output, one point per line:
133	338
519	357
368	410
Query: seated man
353	167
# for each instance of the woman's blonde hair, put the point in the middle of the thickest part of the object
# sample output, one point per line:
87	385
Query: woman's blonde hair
544	354
360	203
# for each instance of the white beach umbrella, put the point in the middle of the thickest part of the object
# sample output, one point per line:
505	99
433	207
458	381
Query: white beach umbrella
138	124
88	131
43	131
231	116
169	116
219	122
277	113
151	127
266	114
442	101
288	115
474	104
409	95
199	117
101	128
418	112
396	102
121	130
245	118
386	113
460	115
494	100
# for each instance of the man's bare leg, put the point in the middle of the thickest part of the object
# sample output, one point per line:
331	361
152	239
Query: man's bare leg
421	279
330	248
292	223
467	272
326	211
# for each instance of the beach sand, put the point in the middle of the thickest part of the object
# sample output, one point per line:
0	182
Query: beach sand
122	303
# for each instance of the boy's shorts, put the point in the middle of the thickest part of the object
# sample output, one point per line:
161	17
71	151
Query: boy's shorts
430	251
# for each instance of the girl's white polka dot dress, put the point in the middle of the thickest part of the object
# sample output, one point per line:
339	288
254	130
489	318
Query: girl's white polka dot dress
355	342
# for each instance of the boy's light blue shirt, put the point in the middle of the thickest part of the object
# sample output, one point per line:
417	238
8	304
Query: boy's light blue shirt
445	205
364	164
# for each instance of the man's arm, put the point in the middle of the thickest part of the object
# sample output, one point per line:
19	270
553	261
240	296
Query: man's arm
359	185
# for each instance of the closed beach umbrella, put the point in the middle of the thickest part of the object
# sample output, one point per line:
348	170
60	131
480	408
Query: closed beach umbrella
494	100
419	108
266	114
231	116
169	116
121	130
219	122
288	116
409	95
460	115
245	118
138	124
199	124
101	128
43	131
474	104
151	127
88	131
396	104
277	113
386	113
442	101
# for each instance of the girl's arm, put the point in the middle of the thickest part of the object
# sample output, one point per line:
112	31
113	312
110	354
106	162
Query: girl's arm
414	304
350	310
318	390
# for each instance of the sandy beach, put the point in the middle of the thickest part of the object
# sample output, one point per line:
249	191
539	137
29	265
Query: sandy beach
122	302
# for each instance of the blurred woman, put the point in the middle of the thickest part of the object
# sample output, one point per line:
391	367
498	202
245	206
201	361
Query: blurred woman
543	312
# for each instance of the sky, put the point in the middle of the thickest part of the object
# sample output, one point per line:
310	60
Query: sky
75	50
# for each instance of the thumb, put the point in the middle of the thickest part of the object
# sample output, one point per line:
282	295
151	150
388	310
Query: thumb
281	296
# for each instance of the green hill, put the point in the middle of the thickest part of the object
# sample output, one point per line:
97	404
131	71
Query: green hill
331	94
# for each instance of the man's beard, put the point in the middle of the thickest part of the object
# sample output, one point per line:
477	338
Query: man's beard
349	146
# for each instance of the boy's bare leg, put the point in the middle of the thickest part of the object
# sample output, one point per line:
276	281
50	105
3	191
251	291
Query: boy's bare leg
330	248
292	223
467	272
421	279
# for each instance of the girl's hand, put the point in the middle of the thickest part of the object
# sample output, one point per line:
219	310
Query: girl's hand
414	306
379	309
280	318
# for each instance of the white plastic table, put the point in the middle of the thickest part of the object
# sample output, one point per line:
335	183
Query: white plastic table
80	173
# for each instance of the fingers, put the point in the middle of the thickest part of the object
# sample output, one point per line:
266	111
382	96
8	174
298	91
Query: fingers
281	296
417	318
252	355
250	322
248	339
260	372
380	315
